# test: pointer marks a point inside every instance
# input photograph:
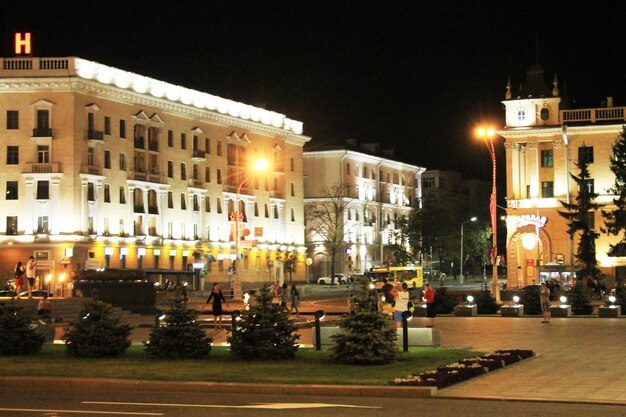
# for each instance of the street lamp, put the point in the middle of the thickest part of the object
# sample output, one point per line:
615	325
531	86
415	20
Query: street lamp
259	166
486	134
473	219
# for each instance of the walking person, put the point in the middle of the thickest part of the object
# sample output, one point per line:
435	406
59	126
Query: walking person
402	303
30	275
283	297
19	278
429	296
276	291
218	299
544	298
295	299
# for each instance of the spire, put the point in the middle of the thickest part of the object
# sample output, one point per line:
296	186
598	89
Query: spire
555	89
535	86
508	95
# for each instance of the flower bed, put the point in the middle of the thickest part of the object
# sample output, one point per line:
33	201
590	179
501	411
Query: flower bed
464	369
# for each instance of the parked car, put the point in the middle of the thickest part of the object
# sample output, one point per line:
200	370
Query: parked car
36	293
340	279
7	293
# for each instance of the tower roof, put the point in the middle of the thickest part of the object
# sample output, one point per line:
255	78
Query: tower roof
535	85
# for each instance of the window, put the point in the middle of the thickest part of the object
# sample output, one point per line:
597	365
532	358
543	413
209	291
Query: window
91	192
196	203
585	154
267	211
122	195
91	124
348	168
547	158
43	190
13	155
13	119
42	224
528	191
170	200
43	154
207	174
183	141
183	201
107	125
122	129
218	204
207	145
219	175
107	159
91	156
170	138
547	189
428	183
107	193
521	115
11	225
122	162
293	215
43	121
219	148
292	164
11	190
183	171
256	209
276	212
170	169
207	204
293	189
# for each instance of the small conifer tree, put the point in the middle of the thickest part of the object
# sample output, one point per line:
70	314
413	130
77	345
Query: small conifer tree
486	304
531	300
180	335
264	331
444	302
580	300
16	335
96	333
367	336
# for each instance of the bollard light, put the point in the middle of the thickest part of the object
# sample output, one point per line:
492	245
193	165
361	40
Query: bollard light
406	316
319	316
470	299
516	299
612	299
563	299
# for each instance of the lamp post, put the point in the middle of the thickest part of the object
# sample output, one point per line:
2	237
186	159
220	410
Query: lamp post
486	134
259	166
473	219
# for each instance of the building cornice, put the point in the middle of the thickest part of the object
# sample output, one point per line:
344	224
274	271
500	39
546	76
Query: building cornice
362	157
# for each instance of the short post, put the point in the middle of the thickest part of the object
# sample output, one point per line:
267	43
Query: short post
157	318
319	315
406	316
235	316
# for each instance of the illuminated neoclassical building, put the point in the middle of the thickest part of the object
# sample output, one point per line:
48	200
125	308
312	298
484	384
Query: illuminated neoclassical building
543	141
377	191
103	167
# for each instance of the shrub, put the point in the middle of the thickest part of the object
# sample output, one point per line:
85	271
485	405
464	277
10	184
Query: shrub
97	333
367	336
531	300
17	336
264	331
180	336
486	304
620	295
579	299
444	302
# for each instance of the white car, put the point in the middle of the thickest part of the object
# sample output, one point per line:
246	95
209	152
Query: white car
340	279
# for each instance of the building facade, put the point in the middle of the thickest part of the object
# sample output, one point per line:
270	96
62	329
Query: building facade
376	190
107	168
543	142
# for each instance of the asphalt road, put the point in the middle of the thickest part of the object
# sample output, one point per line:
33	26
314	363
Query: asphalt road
89	402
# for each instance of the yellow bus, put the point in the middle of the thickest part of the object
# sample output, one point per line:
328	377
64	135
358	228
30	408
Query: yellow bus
412	275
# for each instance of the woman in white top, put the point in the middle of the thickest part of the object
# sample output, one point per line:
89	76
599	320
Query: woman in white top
402	304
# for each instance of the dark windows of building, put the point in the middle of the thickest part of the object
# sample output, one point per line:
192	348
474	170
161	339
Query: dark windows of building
43	190
91	192
428	183
107	159
138	203
13	155
547	189
107	193
267	211
544	114
207	145
170	169
42	128
196	203
219	175
207	204
122	162
292	164
183	141
547	159
256	209
183	171
527	190
183	201
293	189
153	206
107	125
43	154
293	215
170	200
170	138
219	148
42	224
218	204
207	174
275	211
91	122
11	225
12	193
13	119
585	154
122	129
122	195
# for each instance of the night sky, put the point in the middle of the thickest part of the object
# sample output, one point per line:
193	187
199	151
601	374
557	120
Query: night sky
412	75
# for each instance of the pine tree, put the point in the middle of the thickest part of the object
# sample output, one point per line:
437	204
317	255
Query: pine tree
615	220
180	336
264	331
18	338
97	333
367	336
486	304
579	216
444	302
580	300
532	300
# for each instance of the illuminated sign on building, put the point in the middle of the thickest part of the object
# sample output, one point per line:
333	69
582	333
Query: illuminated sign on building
22	44
531	219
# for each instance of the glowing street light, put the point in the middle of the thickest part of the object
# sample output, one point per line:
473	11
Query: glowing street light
486	134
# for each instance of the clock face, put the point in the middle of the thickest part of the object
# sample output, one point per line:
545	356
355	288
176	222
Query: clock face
521	115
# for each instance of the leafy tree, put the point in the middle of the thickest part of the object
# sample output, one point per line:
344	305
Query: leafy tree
486	304
580	300
264	331
180	336
615	220
579	216
18	338
327	223
444	302
368	336
97	333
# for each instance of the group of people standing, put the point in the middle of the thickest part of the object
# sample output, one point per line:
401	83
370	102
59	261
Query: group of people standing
398	296
29	271
282	293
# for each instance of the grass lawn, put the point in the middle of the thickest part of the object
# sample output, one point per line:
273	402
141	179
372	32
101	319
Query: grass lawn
309	367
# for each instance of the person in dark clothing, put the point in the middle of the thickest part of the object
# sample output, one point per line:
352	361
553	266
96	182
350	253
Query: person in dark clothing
388	291
218	299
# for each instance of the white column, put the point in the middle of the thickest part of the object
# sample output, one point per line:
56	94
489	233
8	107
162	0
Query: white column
83	205
130	203
29	207
146	208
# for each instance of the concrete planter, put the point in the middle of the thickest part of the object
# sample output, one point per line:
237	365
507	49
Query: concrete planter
512	311
420	311
561	311
418	336
466	310
611	311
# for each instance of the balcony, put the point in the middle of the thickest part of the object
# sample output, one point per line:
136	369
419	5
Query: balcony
198	156
593	115
95	135
42	132
46	168
140	143
91	169
195	183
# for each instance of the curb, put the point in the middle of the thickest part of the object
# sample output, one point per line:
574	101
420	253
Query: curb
217	387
